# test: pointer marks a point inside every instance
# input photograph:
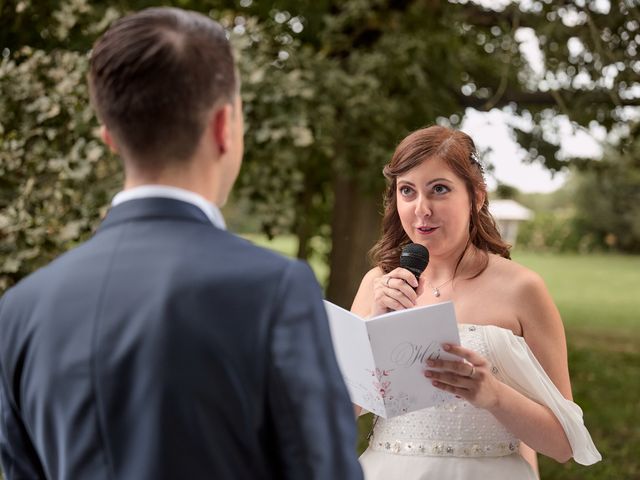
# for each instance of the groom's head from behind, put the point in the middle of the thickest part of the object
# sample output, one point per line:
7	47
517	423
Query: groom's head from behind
164	84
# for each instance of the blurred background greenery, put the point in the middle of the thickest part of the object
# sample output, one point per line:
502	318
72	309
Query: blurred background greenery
329	88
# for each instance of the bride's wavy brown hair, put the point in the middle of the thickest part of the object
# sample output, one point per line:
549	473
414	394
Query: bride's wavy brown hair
459	152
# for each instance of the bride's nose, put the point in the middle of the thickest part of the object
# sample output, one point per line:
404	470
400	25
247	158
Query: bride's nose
422	207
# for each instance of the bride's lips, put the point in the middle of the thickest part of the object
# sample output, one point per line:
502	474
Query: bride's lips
424	230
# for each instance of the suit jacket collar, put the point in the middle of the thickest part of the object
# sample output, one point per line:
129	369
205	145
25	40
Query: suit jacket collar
169	191
149	208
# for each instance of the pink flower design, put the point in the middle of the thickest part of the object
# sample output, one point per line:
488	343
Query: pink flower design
383	387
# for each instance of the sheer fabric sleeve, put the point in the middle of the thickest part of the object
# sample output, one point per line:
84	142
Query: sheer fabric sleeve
518	367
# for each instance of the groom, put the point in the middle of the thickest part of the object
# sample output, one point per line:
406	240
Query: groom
165	347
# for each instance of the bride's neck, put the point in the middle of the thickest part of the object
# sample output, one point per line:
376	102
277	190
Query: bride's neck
441	269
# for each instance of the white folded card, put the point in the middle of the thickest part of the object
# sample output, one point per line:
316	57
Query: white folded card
382	359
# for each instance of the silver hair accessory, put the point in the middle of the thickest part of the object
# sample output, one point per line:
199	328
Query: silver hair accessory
475	159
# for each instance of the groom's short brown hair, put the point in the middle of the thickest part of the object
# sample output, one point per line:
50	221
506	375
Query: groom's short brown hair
154	75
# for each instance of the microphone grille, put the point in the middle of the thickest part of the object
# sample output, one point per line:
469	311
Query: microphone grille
414	257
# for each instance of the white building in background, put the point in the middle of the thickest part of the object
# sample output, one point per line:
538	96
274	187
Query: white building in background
508	214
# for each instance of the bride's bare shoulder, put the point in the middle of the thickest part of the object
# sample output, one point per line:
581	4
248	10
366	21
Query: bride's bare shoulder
364	297
520	281
371	275
511	269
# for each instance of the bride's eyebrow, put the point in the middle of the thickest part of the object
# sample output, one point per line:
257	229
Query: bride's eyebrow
406	182
411	184
441	179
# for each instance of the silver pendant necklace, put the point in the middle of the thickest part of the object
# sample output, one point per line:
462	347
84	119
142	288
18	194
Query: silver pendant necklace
436	290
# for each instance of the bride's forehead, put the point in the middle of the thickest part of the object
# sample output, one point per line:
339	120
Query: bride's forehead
429	167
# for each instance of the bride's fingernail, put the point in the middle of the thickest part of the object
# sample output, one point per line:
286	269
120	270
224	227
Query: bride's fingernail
446	346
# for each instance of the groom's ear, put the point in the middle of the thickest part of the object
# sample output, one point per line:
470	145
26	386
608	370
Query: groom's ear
220	127
108	140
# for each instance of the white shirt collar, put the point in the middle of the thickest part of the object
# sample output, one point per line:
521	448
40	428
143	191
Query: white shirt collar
164	191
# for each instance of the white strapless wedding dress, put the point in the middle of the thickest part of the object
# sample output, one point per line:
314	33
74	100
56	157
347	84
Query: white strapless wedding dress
456	440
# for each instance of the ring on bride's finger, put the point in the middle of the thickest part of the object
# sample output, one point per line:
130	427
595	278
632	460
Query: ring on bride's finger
387	282
473	370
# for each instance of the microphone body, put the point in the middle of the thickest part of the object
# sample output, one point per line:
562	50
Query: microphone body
415	258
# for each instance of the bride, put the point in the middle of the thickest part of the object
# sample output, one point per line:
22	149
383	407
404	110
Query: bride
510	391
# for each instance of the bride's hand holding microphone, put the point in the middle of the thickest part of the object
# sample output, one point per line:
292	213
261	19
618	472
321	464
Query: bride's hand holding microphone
394	291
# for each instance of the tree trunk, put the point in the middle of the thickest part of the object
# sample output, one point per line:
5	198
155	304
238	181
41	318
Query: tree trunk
303	225
354	230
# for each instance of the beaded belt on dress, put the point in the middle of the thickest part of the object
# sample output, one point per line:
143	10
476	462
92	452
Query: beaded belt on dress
444	449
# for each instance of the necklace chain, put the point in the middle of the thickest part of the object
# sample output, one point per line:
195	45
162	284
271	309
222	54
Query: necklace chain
436	290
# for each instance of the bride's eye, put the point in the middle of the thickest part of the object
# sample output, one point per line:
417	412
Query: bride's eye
440	189
405	190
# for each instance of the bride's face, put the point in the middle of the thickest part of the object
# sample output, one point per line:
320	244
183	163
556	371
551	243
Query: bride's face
434	206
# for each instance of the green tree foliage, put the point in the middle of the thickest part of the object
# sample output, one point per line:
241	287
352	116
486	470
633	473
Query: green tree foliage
55	176
390	67
506	192
288	125
597	210
608	200
329	87
590	57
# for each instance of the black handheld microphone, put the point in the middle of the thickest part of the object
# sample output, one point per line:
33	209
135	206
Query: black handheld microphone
415	258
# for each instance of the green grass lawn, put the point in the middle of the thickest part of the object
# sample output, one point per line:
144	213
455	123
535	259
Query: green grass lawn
591	291
599	299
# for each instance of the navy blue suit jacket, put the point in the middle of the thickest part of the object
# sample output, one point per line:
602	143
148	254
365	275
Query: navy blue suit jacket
165	347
